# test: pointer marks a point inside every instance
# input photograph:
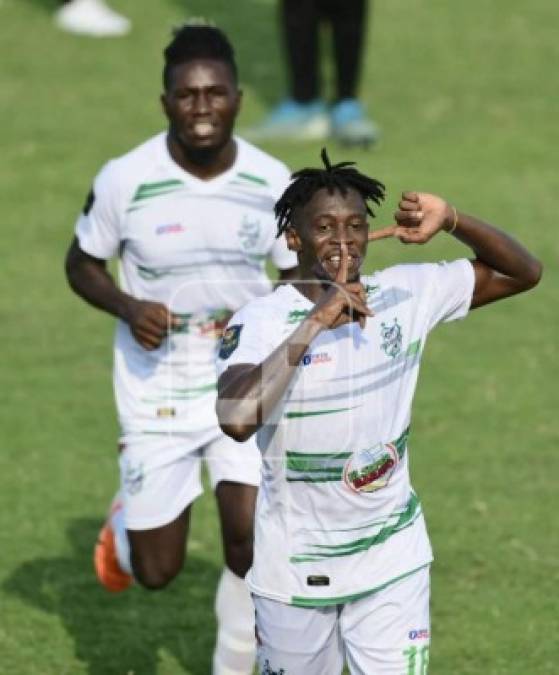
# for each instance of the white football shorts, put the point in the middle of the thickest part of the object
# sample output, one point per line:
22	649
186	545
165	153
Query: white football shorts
385	633
160	474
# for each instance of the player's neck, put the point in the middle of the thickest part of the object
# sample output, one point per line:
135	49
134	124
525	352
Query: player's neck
203	163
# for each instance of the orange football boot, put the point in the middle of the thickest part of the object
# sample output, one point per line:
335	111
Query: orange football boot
105	560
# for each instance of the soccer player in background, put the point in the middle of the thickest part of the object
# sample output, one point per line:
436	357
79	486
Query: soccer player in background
324	370
190	215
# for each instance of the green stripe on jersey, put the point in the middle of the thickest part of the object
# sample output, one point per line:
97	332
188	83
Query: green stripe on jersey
316	466
252	178
301	601
404	519
187	393
413	348
312	413
148	190
402	441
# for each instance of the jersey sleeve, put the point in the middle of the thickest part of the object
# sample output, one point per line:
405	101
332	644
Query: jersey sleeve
98	227
247	338
450	291
280	255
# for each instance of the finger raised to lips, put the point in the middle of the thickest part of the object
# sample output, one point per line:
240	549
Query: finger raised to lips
341	276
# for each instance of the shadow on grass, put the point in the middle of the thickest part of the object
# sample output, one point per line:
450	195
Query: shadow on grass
125	633
253	27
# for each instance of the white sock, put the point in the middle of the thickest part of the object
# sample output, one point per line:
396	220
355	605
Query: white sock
235	647
122	545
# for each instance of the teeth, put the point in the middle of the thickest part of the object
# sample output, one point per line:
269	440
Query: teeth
203	128
336	259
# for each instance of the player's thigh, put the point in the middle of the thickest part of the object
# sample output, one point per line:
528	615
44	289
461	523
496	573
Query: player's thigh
234	470
297	640
159	478
388	633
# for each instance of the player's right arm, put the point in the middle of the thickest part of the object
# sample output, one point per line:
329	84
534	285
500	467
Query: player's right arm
88	277
99	234
248	393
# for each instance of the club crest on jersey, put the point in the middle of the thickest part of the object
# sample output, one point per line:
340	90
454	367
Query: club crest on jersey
230	341
249	233
391	337
371	469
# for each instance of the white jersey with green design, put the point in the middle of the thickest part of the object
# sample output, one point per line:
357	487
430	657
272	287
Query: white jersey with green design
337	517
199	247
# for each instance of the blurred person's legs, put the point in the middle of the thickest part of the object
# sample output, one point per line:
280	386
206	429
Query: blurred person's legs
348	19
303	115
91	17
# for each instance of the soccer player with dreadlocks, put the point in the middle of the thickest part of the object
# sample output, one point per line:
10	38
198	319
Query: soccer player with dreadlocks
324	370
190	214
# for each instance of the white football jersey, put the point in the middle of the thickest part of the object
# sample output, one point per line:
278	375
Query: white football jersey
337	517
200	248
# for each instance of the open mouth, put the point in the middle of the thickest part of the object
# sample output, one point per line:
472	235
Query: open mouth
334	261
203	129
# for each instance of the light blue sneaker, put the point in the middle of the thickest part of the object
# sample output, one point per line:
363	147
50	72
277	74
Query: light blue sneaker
350	125
290	120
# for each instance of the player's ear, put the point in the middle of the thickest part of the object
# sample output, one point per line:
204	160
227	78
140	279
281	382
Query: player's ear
293	239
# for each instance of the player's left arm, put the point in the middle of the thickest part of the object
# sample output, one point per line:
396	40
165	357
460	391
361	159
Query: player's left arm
502	266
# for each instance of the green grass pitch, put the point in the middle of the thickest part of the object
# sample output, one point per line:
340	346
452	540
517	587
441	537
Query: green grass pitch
467	96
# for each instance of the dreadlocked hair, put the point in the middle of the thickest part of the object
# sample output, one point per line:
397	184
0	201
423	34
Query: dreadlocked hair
198	40
341	177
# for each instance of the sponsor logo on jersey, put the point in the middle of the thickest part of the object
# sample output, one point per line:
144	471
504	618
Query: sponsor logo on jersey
318	580
422	634
230	341
371	469
166	412
171	228
391	337
317	358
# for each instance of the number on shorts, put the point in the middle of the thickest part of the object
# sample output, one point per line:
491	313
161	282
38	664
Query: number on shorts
418	660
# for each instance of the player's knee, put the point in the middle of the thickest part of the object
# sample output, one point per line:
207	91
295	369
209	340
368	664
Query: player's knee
238	555
156	574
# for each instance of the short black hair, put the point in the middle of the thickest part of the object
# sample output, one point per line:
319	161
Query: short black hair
195	41
341	177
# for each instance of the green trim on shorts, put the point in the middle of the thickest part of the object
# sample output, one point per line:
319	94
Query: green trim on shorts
299	601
